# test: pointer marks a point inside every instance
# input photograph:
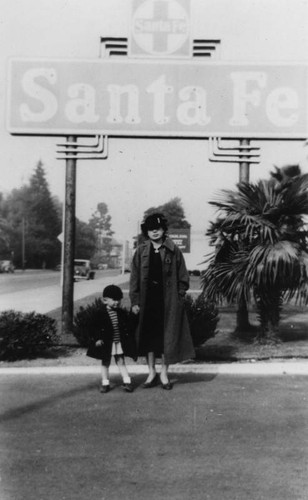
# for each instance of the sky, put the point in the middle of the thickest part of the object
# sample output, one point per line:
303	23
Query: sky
141	173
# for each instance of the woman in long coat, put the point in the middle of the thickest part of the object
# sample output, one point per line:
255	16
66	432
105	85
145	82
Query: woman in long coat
158	283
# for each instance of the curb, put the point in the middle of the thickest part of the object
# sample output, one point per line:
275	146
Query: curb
299	368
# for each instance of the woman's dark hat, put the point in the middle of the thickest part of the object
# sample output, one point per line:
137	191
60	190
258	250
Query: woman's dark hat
113	292
154	221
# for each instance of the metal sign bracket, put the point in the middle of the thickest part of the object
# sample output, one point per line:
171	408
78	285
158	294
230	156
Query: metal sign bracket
220	153
98	150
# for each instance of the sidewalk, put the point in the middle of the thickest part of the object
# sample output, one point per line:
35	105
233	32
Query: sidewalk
258	368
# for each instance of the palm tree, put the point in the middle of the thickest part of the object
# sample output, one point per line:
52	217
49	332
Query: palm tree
263	247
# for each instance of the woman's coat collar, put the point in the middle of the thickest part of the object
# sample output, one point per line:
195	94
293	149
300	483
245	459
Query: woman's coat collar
168	243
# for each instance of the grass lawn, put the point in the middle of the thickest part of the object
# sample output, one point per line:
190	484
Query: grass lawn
225	346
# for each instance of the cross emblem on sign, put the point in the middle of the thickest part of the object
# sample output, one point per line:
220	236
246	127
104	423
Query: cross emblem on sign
160	27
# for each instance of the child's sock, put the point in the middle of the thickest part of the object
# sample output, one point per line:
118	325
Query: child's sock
127	380
105	382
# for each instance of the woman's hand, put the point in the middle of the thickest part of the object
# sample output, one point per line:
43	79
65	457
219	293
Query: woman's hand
99	343
136	309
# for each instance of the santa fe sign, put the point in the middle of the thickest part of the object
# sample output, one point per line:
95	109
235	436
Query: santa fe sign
157	98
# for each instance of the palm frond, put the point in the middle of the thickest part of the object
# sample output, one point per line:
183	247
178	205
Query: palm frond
273	265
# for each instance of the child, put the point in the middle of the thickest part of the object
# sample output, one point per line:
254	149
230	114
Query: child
113	337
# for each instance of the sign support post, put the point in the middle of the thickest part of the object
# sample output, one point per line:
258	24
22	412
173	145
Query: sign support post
244	165
69	243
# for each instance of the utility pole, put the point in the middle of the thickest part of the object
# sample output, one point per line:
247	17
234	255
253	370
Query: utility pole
23	245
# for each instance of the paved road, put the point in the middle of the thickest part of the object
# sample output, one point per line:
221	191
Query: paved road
42	298
25	280
41	291
213	437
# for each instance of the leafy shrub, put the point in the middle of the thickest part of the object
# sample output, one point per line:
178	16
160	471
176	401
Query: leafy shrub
203	318
86	320
25	335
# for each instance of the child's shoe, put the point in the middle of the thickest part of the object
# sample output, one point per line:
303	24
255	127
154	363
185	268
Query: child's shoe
127	387
104	389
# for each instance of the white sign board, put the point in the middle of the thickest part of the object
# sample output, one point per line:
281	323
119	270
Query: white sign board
157	98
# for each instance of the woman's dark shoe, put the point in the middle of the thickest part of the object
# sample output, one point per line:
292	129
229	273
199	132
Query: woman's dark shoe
127	387
168	386
153	383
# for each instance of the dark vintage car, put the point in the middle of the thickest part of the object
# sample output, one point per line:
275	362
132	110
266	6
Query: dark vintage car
83	270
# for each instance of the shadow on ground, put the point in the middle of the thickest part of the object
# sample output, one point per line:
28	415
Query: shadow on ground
137	380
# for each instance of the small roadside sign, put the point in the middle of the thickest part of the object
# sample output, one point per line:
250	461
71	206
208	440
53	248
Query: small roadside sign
181	238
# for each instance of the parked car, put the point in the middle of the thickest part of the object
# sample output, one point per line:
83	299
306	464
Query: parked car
83	270
6	266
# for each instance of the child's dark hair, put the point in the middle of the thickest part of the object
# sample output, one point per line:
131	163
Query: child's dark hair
113	292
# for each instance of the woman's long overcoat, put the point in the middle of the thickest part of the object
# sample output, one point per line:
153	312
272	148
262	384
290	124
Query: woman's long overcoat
178	344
